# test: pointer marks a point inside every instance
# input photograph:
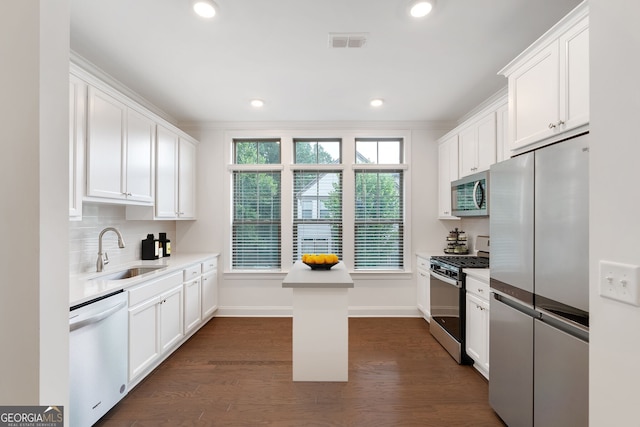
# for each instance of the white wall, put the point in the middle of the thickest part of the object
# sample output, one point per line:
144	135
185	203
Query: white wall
34	47
263	294
615	229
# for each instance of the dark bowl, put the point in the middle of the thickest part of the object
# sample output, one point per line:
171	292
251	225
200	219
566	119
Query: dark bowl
321	266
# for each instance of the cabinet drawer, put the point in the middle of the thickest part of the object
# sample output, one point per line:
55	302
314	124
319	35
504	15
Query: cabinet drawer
152	288
209	265
191	272
423	263
477	287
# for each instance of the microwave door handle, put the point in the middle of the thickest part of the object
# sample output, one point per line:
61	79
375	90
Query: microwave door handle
475	190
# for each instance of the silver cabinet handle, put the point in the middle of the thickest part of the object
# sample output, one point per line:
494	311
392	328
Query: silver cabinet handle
551	125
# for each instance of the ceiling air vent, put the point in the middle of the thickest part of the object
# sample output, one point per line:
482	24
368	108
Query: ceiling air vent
347	40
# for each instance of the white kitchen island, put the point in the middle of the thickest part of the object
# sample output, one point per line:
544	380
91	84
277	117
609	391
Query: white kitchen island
320	322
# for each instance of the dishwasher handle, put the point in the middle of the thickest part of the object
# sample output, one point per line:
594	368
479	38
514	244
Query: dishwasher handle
80	323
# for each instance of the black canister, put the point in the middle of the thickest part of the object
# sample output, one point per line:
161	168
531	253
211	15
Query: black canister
149	248
166	244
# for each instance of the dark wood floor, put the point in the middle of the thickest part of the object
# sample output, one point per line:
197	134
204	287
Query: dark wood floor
237	372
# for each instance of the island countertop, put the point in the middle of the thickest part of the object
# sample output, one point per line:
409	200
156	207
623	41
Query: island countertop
301	276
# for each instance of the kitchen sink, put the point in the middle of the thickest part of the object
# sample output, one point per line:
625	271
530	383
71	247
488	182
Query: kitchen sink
130	272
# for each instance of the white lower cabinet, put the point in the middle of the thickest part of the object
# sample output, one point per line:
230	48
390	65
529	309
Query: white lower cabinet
477	324
424	288
165	311
209	294
192	298
155	322
170	318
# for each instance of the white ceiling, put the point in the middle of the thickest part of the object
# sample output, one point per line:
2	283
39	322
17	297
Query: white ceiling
438	68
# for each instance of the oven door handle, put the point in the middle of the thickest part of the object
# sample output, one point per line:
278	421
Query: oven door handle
445	279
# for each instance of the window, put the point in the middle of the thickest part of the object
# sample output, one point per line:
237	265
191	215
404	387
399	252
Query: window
317	198
379	205
291	195
256	225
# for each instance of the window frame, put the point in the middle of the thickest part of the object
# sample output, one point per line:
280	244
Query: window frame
348	166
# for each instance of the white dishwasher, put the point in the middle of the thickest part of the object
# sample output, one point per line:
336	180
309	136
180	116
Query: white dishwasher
98	355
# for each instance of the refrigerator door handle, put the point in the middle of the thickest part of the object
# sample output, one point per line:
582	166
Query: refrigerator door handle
567	325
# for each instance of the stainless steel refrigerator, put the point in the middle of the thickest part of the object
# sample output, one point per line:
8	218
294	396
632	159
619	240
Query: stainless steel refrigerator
538	349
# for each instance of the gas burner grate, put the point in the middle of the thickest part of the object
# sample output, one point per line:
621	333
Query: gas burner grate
464	261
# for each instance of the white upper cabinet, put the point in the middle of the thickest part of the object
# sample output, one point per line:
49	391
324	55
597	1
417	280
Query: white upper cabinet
105	146
166	173
77	123
503	151
120	147
478	146
186	179
470	148
140	156
176	176
549	83
447	172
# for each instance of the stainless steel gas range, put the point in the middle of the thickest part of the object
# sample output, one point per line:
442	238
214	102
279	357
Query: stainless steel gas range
448	301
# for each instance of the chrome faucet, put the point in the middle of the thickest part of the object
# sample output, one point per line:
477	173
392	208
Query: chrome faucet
103	259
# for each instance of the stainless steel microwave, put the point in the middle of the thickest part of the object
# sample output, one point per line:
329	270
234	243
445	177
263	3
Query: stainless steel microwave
470	195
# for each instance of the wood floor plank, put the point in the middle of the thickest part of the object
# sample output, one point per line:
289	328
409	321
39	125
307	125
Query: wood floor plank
238	372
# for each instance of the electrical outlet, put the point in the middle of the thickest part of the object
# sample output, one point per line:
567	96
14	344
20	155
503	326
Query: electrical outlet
620	282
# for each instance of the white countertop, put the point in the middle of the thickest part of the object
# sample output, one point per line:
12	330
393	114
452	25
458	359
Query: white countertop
87	286
302	276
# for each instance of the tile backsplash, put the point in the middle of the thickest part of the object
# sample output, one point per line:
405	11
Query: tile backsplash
83	236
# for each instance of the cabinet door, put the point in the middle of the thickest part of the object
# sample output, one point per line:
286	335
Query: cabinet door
503	146
139	159
574	76
105	145
486	148
77	120
144	340
533	98
424	298
192	292
478	146
468	145
447	172
171	330
166	173
209	293
187	180
475	328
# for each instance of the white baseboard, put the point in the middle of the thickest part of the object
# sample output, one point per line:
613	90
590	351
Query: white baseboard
271	311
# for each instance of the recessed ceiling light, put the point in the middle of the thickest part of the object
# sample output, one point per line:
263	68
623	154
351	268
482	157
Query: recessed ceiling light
421	8
257	103
204	8
376	102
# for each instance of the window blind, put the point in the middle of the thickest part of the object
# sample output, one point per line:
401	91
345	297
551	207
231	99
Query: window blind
317	212
256	229
379	220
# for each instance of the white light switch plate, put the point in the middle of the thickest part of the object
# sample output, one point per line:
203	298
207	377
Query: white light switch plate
620	282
